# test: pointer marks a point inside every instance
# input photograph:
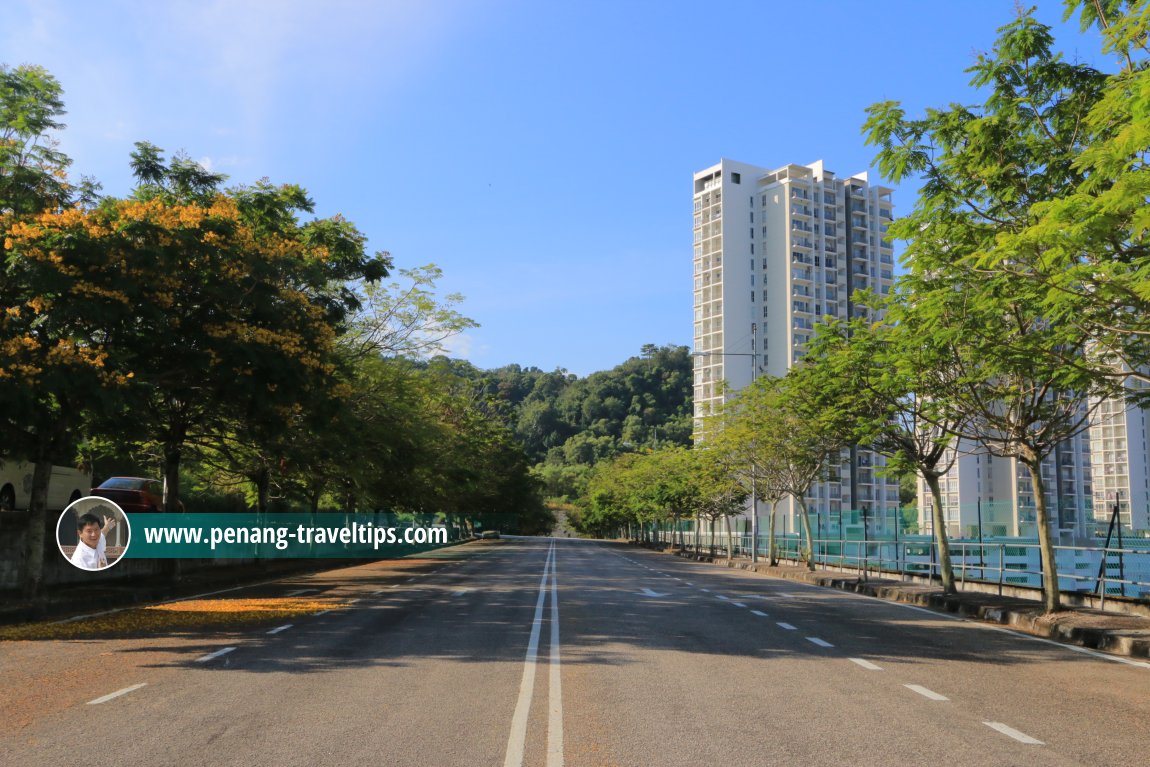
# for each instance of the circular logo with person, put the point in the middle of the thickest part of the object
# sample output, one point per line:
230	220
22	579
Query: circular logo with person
93	533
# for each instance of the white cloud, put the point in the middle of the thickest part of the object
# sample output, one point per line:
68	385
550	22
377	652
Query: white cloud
464	346
221	164
220	76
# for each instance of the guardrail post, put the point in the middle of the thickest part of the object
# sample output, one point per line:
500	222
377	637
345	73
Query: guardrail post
962	572
1001	566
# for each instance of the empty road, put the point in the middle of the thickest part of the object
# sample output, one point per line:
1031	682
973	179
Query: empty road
566	652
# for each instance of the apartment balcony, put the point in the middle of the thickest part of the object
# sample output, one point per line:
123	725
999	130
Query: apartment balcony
801	210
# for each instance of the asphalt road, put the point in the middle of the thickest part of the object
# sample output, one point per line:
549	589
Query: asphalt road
566	652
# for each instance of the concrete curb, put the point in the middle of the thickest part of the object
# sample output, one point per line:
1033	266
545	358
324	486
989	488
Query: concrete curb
1016	614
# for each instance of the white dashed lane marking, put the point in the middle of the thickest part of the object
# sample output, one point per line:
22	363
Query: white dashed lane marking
214	655
1021	737
786	626
278	629
760	613
931	694
116	694
819	642
865	664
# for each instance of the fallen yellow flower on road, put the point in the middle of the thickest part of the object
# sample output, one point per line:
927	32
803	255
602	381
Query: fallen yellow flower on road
187	615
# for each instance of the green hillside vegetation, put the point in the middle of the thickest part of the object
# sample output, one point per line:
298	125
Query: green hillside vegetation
567	424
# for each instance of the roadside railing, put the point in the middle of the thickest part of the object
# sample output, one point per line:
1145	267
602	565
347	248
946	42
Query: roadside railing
1102	571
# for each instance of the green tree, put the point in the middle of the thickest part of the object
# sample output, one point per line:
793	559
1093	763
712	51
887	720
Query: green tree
732	440
720	494
1085	243
238	303
1022	380
33	173
56	315
888	381
801	437
777	426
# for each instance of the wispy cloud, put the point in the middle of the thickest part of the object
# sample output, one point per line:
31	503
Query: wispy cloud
222	76
464	346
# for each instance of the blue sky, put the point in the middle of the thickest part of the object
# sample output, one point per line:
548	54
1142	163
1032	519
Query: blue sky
540	152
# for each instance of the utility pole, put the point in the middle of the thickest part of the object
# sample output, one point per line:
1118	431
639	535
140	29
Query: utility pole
754	462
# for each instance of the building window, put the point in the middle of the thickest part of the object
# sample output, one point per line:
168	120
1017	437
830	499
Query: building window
752	250
736	178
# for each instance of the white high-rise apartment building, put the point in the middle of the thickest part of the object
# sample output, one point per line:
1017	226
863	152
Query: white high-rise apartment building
775	252
1121	464
995	494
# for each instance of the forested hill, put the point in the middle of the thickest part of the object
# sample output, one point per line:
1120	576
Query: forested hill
567	423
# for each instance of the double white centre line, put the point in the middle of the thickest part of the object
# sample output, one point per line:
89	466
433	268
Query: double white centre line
517	738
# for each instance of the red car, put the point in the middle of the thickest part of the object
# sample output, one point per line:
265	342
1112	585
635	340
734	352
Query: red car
133	494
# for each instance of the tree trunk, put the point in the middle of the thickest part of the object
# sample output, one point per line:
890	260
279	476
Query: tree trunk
730	538
941	536
34	545
807	530
772	560
172	455
698	533
262	481
1051	597
712	545
172	568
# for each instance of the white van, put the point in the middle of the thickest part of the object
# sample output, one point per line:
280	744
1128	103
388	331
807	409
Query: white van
66	485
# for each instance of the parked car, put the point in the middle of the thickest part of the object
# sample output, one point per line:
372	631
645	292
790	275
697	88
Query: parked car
487	534
133	494
65	485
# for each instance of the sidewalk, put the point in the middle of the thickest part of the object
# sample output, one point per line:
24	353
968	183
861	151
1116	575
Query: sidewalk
1127	635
